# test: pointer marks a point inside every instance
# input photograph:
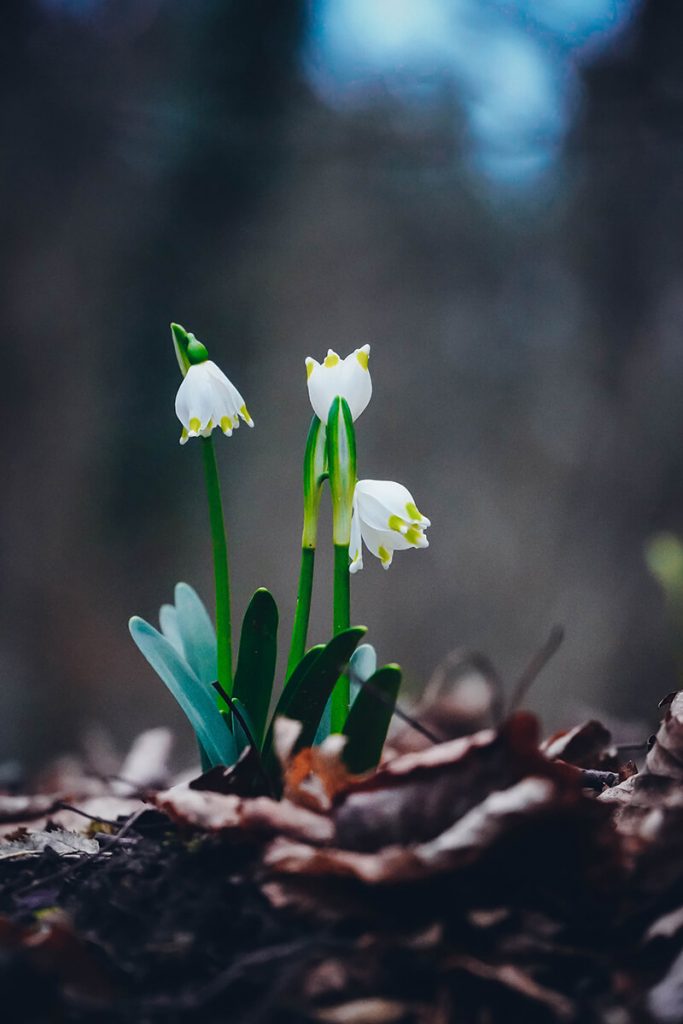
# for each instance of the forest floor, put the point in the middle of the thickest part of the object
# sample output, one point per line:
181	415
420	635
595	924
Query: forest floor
489	878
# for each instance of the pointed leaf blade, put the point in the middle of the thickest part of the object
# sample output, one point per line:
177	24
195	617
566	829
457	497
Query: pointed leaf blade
196	701
369	719
197	634
168	621
256	660
306	694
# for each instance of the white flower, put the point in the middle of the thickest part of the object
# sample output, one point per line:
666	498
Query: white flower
386	517
348	377
206	399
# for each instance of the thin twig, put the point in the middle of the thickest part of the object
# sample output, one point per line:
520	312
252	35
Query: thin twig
398	711
84	814
232	704
538	662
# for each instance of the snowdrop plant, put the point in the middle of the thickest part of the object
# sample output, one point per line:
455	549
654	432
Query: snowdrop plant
332	687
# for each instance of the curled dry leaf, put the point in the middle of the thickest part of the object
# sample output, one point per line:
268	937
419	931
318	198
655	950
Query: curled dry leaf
585	746
458	846
654	797
416	796
217	812
666	754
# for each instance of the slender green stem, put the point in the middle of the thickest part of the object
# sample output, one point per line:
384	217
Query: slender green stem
303	609
220	565
342	620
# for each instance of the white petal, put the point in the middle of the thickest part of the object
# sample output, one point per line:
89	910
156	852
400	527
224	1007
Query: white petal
356	382
194	399
355	545
348	378
206	395
379	500
387	539
324	384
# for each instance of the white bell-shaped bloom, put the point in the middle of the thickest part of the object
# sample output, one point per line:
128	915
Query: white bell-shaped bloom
348	377
206	399
386	518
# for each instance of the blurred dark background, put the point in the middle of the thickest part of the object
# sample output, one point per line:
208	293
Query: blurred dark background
490	193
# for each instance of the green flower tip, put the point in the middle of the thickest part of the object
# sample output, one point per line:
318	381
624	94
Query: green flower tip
196	352
189	351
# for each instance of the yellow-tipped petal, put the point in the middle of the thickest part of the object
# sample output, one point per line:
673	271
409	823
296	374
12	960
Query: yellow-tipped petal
385	557
331	359
397	524
363	356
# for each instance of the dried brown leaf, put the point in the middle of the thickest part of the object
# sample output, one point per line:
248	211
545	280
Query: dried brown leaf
317	775
455	848
666	755
583	746
417	796
217	812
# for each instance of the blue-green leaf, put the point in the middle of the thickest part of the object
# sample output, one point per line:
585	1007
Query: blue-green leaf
362	665
369	719
256	661
197	634
168	620
195	700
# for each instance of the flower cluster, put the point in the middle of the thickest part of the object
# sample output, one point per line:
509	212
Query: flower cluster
385	517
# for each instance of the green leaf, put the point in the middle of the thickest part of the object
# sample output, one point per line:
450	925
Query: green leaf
197	634
256	661
310	685
362	664
294	680
369	719
195	700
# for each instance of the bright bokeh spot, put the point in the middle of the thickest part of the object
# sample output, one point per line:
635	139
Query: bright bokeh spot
513	66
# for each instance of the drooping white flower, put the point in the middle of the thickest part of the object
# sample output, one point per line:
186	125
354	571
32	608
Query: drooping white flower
387	519
349	378
206	399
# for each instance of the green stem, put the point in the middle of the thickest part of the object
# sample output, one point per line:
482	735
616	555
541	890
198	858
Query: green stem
220	565
342	620
303	610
